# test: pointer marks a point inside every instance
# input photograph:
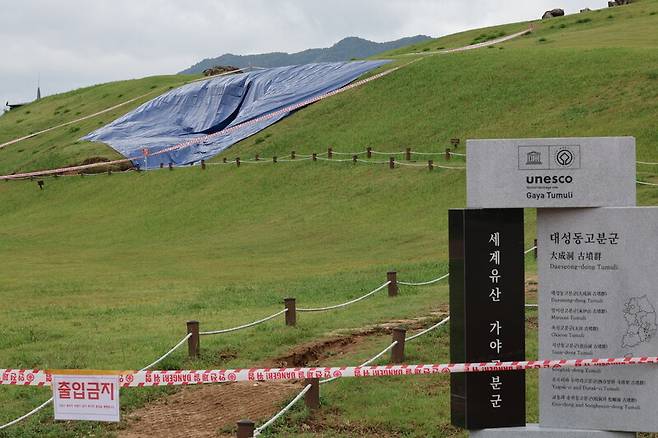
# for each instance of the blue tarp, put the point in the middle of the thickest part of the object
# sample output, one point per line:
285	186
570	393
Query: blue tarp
206	107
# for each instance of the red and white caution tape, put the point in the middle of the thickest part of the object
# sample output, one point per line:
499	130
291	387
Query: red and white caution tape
18	377
194	377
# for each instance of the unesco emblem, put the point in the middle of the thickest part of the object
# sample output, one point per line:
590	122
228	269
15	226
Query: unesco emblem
533	158
549	157
564	158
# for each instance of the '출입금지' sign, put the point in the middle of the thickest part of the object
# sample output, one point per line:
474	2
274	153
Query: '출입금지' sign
86	397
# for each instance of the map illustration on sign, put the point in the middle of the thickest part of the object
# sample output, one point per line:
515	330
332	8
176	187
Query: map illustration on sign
640	316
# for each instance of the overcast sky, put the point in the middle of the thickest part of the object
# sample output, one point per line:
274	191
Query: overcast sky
74	43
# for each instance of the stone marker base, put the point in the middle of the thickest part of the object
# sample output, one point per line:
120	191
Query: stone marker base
535	431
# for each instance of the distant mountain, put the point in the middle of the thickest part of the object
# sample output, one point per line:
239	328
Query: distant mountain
344	50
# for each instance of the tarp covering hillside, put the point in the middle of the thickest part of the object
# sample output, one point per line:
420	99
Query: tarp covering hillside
207	107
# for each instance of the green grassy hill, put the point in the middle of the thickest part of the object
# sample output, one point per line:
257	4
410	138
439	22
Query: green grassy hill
61	147
103	271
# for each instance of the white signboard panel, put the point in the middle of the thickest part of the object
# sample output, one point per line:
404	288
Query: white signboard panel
598	298
551	172
86	397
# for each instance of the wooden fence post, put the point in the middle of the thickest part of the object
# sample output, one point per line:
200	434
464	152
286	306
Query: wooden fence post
392	276
224	160
291	314
354	158
330	153
315	156
369	152
430	164
397	353
193	345
407	154
447	154
246	429
274	159
312	396
292	155
203	164
391	163
237	161
534	251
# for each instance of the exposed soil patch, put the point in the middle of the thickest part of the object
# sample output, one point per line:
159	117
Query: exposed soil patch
531	321
213	410
531	286
208	411
340	343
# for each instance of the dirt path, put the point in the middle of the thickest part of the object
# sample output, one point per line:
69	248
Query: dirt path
208	411
213	410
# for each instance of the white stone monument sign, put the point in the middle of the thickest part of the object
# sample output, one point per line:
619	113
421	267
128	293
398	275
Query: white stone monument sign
598	277
551	172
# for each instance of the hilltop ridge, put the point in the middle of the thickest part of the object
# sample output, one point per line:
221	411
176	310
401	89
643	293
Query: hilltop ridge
344	50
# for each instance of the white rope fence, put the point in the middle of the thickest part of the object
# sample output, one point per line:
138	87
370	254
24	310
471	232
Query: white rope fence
282	411
260	321
356	300
356	158
244	326
335	161
348	153
427	330
406	283
366	363
386	153
47	402
174	348
372	161
32	412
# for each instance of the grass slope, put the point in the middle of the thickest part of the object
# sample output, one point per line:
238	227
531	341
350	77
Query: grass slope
61	147
102	272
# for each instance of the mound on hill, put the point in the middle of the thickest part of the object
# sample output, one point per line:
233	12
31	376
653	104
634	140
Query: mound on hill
201	109
103	272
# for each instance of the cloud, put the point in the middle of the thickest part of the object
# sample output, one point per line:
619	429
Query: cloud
80	42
